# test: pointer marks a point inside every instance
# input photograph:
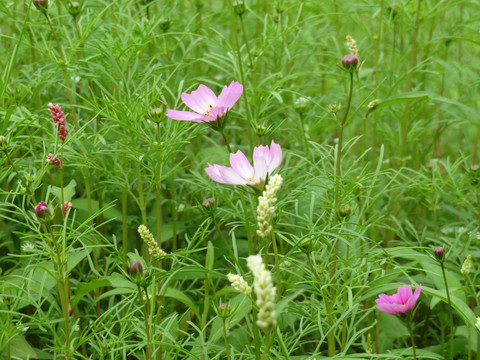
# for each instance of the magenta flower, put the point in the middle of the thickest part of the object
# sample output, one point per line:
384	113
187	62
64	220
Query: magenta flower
400	302
41	209
59	119
207	107
265	161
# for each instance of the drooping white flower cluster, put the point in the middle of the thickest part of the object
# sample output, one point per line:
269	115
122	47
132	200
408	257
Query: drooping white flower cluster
265	206
239	284
153	248
265	292
467	265
352	45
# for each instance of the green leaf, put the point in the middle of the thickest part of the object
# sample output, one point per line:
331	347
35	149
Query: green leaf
85	288
210	257
20	348
185	299
462	308
402	98
68	191
82	205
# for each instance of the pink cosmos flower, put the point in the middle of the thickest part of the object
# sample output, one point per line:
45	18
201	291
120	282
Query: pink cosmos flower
265	161
207	107
400	302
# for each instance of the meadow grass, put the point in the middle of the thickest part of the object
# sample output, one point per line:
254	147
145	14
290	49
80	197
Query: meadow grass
380	153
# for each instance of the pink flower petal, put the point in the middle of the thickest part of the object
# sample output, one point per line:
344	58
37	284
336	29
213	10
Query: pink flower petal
241	165
224	175
259	165
230	95
400	302
214	113
200	100
183	115
275	155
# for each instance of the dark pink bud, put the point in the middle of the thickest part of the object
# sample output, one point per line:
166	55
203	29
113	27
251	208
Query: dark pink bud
41	209
136	268
350	62
65	207
208	203
439	252
52	159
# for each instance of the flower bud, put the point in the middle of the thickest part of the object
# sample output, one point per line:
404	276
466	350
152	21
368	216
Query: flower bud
373	104
65	207
74	8
41	5
224	310
334	108
41	209
344	211
301	104
208	203
350	62
164	24
439	252
3	143
467	265
239	7
136	268
156	115
261	130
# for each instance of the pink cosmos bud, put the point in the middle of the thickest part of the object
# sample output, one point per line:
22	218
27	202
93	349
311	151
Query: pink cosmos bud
41	209
74	8
65	207
439	252
344	211
350	62
208	203
41	4
136	268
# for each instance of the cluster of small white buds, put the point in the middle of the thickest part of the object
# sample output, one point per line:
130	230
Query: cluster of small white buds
372	104
477	324
153	248
352	45
239	284
266	204
467	265
264	291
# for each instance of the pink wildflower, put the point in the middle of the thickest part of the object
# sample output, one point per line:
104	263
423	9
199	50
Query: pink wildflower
41	209
59	119
400	302
52	159
65	207
265	161
207	107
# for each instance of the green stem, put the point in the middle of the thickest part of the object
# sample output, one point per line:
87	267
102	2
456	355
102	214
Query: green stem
145	316
271	337
277	263
410	329
340	140
227	144
450	313
227	245
141	201
251	245
227	348
63	66
246	40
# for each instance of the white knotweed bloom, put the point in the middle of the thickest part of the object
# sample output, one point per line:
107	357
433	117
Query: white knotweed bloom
266	204
372	104
152	245
477	324
467	265
239	284
265	292
352	45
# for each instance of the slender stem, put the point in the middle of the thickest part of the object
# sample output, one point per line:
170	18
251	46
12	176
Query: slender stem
450	309
251	245
63	66
304	134
277	263
141	200
227	144
242	76
410	329
227	348
145	317
206	304
227	245
125	237
340	140
246	40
